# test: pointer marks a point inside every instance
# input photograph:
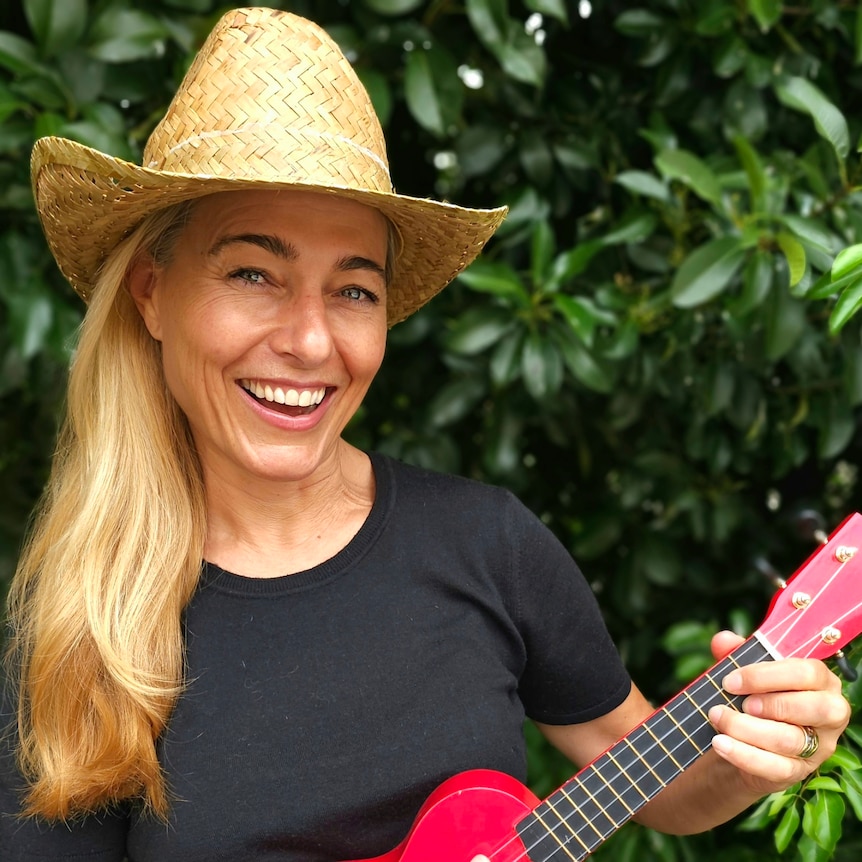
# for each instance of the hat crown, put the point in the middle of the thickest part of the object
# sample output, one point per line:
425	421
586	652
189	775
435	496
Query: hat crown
271	97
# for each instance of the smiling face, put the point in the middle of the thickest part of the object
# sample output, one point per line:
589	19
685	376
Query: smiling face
271	312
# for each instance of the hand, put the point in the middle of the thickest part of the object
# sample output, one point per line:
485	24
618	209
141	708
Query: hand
764	740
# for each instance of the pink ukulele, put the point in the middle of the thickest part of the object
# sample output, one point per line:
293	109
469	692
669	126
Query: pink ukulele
485	816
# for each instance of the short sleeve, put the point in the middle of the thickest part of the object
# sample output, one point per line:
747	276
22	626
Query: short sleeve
573	671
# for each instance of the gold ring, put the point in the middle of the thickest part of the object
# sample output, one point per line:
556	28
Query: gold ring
811	742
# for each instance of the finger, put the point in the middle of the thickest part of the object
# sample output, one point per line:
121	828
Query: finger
724	642
774	737
824	710
793	674
766	770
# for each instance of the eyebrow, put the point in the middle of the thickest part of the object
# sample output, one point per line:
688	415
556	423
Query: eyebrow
268	242
277	246
345	264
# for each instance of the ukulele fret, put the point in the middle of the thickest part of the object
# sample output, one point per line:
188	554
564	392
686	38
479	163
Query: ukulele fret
580	815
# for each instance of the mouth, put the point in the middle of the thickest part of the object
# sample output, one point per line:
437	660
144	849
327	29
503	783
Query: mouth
289	402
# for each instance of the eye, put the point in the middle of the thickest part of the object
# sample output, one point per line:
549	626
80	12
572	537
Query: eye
360	294
250	276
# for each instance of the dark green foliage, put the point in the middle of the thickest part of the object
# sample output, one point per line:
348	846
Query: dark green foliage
659	351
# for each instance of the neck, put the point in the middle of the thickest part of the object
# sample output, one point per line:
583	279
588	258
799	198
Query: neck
270	528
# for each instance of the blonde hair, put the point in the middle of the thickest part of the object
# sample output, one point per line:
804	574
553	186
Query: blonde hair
95	608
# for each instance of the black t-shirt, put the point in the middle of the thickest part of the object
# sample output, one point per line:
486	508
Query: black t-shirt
322	707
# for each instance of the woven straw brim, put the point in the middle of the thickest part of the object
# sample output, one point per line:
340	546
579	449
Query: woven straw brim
89	202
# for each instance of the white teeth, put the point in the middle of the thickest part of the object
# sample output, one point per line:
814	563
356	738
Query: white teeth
291	397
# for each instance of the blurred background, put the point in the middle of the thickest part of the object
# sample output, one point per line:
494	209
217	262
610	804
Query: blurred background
658	352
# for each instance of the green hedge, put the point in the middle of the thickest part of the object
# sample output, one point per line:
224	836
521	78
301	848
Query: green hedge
658	352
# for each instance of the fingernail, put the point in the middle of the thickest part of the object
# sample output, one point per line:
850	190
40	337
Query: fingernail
753	705
714	715
722	744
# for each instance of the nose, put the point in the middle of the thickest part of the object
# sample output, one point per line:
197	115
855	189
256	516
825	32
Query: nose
303	330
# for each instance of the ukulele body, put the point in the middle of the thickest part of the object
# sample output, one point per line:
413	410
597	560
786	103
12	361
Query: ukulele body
472	814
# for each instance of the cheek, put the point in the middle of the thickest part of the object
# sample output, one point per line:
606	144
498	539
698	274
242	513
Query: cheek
372	356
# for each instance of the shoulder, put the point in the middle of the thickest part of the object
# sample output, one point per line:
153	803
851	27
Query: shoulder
447	508
412	484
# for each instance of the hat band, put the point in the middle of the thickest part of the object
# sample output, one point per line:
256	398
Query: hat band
267	146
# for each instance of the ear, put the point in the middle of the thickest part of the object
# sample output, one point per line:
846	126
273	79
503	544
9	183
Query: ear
143	283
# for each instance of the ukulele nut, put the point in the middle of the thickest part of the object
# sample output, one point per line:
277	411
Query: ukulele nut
801	600
843	553
830	635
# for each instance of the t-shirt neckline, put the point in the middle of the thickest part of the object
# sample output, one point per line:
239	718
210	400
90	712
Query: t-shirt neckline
213	577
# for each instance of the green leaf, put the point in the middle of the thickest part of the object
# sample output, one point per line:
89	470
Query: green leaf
765	12
18	55
393	7
541	253
753	170
785	323
639	23
756	283
582	364
455	400
847	305
30	318
706	272
551	8
578	314
477	329
691	171
379	92
433	90
643	183
541	366
795	255
802	95
57	24
536	158
121	35
837	425
489	19
786	828
496	278
851	783
823	782
846	261
574	261
821	819
635	229
505	361
480	148
516	51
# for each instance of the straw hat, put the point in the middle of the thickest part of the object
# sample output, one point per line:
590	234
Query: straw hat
269	102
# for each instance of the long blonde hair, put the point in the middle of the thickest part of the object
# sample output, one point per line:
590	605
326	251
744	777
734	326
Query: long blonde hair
114	556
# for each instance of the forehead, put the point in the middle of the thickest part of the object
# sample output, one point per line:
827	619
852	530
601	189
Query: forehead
289	214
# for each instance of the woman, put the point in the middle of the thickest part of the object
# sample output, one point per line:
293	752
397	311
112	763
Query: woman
360	630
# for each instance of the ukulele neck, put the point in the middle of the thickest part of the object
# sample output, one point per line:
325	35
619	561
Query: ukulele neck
590	807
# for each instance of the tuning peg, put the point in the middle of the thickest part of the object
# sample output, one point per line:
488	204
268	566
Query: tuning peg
811	526
847	670
769	572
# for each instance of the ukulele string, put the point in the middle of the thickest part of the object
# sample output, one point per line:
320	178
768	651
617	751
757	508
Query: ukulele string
705	682
815	640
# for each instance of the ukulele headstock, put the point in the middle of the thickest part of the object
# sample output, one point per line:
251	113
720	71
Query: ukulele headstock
820	608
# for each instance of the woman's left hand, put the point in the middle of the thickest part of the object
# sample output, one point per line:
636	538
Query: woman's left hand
791	707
